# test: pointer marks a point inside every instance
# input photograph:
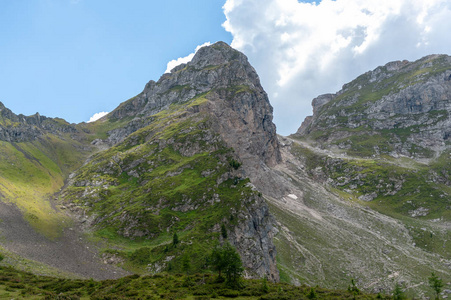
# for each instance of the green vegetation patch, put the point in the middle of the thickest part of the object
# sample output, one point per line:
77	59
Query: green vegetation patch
31	172
17	284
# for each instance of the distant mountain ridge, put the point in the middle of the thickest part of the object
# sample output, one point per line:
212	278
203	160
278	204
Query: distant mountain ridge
20	128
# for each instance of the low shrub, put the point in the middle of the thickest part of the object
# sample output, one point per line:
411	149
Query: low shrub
229	293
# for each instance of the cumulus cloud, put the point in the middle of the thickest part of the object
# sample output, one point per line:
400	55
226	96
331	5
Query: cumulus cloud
97	116
183	60
301	50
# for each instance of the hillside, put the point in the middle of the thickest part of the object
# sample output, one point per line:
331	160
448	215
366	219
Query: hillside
37	154
327	236
18	284
394	124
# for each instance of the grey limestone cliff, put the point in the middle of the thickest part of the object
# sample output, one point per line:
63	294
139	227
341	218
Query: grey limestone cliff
253	239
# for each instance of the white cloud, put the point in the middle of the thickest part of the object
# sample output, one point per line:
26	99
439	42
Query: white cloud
302	50
97	116
183	60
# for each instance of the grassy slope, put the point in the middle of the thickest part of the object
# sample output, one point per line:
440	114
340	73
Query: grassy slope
17	284
31	172
331	252
331	236
163	179
402	186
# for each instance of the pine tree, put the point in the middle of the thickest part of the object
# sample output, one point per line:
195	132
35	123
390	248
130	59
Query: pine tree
175	240
223	231
226	259
353	288
217	260
311	294
398	293
233	265
436	284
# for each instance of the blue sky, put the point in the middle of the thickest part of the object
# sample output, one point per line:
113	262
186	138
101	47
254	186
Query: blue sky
72	59
75	58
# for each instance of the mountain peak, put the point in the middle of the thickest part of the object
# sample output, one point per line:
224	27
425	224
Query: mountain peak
224	77
217	54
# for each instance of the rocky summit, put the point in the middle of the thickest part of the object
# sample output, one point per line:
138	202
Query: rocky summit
174	164
361	193
401	108
20	128
236	102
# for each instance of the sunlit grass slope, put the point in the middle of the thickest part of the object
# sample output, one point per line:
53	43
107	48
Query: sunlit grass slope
31	172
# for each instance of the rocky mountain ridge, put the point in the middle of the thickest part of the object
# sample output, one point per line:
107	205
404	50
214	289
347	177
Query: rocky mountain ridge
328	236
20	128
219	73
400	110
407	102
196	154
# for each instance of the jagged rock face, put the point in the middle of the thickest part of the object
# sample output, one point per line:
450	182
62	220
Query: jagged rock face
409	102
237	101
258	255
317	103
20	128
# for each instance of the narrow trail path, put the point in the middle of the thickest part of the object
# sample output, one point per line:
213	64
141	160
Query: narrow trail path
408	163
71	252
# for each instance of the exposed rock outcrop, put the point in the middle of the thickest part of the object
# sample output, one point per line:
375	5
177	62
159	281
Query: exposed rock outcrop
20	128
237	101
258	255
317	103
